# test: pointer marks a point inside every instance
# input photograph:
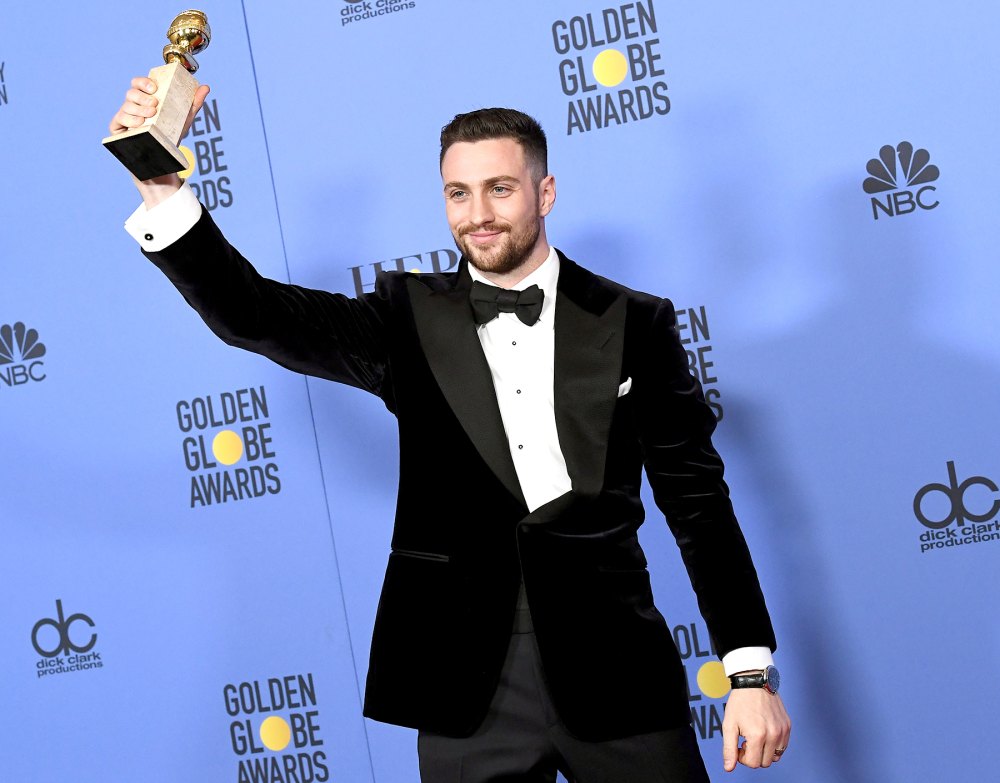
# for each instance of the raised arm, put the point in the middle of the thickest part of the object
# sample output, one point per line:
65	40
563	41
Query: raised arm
313	332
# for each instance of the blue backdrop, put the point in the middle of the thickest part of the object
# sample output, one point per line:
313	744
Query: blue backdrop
194	539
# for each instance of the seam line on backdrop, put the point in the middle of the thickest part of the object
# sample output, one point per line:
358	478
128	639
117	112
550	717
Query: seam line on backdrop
312	415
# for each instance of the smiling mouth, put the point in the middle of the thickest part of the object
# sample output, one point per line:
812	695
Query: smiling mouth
483	237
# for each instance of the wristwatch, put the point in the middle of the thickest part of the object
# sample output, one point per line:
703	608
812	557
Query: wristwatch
768	679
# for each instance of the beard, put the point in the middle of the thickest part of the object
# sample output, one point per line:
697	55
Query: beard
509	251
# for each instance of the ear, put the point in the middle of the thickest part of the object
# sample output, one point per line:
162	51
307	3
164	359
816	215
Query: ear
546	195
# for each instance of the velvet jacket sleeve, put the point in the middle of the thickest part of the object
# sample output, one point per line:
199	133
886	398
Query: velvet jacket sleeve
686	475
328	335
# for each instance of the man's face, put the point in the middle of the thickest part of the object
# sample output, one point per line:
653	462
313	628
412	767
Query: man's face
494	208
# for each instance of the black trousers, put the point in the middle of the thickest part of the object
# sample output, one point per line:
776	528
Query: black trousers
523	740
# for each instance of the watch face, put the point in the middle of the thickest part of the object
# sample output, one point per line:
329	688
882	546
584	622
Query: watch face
772	680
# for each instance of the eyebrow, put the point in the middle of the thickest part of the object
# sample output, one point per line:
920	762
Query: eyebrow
486	183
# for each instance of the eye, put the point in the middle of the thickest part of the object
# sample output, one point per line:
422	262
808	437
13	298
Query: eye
456	195
500	190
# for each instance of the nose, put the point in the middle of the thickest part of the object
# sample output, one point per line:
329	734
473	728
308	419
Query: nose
481	211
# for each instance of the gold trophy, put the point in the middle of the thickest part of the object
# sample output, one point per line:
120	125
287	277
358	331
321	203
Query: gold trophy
151	149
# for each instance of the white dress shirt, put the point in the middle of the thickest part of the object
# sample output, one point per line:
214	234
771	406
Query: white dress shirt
522	363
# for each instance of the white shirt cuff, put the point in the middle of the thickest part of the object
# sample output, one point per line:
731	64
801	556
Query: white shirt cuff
744	659
156	228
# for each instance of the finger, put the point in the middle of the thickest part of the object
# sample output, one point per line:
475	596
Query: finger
783	741
140	98
782	735
131	114
124	120
752	752
139	104
144	83
772	741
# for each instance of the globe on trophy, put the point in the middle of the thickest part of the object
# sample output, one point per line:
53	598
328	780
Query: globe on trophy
151	149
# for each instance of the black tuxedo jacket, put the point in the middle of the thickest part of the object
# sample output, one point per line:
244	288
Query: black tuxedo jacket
462	545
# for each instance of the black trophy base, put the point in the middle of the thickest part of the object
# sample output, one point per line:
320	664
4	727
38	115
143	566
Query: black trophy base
146	153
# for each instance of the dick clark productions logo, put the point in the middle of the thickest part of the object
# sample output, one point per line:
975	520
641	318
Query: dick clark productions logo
65	644
957	513
363	10
908	182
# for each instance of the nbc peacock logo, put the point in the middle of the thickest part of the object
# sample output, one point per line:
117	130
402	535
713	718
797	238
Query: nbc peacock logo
21	355
907	173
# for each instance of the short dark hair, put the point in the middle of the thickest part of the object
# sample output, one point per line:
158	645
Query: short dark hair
499	123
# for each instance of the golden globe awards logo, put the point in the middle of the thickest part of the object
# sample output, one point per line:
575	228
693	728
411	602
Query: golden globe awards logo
204	153
611	67
444	260
275	730
958	513
354	11
907	180
21	355
228	447
706	679
65	644
692	328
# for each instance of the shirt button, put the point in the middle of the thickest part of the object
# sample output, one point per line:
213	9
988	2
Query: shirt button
148	237
518	391
513	342
520	446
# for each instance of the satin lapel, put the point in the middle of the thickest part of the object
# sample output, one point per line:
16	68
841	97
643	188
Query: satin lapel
590	337
448	336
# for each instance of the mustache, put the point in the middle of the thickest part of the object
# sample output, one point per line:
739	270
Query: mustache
494	226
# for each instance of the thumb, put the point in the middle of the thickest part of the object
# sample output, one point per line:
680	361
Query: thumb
730	740
199	99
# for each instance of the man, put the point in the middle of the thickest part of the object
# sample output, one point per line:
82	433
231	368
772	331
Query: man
516	628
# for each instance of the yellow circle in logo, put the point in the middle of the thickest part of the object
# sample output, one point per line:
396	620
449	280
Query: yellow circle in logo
712	680
610	67
227	447
190	159
275	733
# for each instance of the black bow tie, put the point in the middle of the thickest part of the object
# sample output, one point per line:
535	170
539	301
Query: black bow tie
488	301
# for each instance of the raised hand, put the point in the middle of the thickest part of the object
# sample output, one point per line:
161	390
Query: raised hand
140	104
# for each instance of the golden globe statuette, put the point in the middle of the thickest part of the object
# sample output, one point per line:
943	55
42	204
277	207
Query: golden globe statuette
151	149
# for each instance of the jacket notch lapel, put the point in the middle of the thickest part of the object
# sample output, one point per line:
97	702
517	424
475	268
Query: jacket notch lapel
589	342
